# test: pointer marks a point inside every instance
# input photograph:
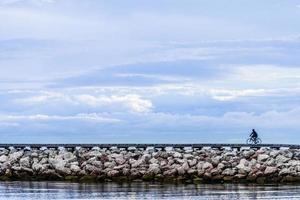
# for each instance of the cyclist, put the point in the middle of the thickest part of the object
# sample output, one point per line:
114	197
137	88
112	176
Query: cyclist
254	135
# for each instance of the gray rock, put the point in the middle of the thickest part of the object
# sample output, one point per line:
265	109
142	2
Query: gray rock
3	158
14	157
154	168
207	165
192	162
37	167
270	170
262	157
216	160
25	162
284	171
177	155
281	159
248	153
229	172
112	173
75	168
188	156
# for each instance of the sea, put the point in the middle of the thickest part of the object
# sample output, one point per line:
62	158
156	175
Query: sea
140	190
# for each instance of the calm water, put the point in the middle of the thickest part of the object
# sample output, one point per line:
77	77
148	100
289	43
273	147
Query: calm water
54	190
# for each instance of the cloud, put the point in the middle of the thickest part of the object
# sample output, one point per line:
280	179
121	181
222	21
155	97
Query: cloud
225	95
263	73
91	117
130	102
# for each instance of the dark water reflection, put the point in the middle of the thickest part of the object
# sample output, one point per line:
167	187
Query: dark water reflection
58	190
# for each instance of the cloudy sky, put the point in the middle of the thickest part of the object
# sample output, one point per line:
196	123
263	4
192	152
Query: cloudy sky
149	71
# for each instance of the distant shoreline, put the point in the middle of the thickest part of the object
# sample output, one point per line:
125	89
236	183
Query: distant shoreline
172	165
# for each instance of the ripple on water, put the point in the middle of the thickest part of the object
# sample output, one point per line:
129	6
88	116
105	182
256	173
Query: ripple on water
107	191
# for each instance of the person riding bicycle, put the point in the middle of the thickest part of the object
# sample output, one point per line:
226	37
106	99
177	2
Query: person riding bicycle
254	135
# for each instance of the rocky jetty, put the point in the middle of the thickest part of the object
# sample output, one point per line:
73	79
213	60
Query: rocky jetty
167	165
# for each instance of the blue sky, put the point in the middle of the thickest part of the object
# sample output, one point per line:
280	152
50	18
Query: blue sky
149	71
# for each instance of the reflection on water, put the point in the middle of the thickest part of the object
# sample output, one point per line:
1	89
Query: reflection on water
55	190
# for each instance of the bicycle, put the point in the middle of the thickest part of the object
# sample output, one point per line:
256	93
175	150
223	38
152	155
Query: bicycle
253	140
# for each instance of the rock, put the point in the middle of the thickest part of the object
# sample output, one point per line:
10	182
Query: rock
154	168
3	158
243	166
287	153
137	163
265	165
230	154
274	153
153	161
75	168
192	171
248	153
262	157
284	171
177	155
221	166
207	165
69	157
109	165
188	156
112	173
146	158
215	172
59	166
216	160
270	170
229	172
14	157
170	173
36	167
192	162
282	159
25	162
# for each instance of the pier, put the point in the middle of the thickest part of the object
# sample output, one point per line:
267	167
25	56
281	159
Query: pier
156	146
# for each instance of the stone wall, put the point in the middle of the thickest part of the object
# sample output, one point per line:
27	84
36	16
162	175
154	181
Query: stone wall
168	165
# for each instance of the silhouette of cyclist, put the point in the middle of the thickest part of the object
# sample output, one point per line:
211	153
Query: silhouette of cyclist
254	135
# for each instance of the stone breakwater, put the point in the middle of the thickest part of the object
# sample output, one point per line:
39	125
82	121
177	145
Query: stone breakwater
168	165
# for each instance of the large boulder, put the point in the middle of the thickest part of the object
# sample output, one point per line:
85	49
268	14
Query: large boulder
282	159
248	153
262	157
270	170
37	167
3	158
244	166
14	157
154	168
25	162
229	172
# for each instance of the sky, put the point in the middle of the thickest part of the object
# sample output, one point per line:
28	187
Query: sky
140	71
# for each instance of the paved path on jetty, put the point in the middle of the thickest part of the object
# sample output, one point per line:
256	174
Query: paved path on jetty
144	146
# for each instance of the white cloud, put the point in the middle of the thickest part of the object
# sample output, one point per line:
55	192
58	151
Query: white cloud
117	103
45	97
154	77
264	73
225	94
92	117
132	102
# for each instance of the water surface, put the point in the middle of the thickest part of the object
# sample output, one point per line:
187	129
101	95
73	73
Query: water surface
64	191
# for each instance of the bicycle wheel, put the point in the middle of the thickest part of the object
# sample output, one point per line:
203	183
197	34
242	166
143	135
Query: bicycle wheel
258	141
249	141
